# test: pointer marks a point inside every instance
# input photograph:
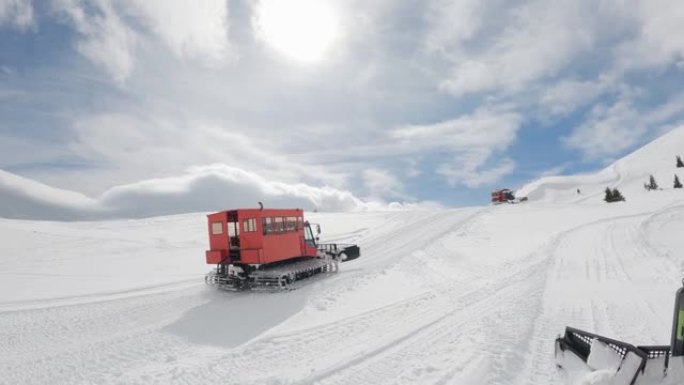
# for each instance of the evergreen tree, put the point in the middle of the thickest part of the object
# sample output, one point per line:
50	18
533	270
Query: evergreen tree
652	185
609	195
617	196
677	183
679	162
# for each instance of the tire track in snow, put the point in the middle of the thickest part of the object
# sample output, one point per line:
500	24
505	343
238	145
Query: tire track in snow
89	343
99	297
493	288
118	340
309	349
475	312
354	331
607	302
419	339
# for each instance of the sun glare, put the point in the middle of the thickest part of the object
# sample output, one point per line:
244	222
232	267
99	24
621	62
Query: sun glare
303	30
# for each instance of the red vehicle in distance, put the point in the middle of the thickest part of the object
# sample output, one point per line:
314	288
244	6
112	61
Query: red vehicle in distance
505	195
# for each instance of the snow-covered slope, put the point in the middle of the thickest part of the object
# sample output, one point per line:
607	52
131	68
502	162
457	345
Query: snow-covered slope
629	174
467	296
459	296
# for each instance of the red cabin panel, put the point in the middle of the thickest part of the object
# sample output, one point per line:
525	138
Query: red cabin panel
258	236
214	256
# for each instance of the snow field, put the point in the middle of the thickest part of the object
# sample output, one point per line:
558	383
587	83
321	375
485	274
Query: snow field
463	296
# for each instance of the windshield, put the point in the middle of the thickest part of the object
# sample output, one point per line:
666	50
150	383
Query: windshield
308	235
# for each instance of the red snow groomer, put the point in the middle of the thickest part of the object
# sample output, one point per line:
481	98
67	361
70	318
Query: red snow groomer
502	196
268	248
505	195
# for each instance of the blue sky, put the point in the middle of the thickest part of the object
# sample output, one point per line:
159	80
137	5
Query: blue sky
411	101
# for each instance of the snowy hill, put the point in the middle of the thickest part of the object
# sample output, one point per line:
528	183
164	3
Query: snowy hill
628	174
444	296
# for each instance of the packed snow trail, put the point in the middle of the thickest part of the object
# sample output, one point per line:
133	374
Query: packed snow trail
439	297
129	343
608	278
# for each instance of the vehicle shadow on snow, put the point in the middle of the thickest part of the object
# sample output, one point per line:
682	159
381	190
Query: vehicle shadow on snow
232	319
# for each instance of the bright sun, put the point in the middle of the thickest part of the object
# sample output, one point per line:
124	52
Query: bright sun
300	29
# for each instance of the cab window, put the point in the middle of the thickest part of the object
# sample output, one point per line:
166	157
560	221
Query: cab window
279	226
217	228
291	224
249	225
267	225
233	229
308	236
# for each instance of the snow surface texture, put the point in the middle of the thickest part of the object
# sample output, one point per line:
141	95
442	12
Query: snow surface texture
461	296
469	296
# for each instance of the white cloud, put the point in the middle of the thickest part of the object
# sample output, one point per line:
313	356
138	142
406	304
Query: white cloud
139	146
507	47
453	22
382	183
200	189
26	199
358	119
220	187
482	129
18	13
190	29
112	32
107	41
554	58
471	169
610	130
473	140
136	147
659	40
566	96
536	41
154	144
558	170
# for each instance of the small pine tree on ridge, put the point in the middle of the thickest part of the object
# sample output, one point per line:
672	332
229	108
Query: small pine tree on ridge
613	195
617	195
609	195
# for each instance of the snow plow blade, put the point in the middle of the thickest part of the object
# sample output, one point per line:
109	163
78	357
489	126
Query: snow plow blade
341	252
579	352
601	353
350	253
